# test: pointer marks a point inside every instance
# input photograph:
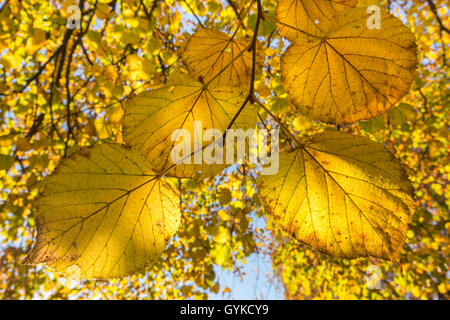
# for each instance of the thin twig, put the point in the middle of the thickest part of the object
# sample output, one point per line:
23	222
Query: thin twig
238	16
251	92
193	13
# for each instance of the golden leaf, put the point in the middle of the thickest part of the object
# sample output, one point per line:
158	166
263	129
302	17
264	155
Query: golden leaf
103	214
297	17
341	194
152	118
351	73
6	161
213	56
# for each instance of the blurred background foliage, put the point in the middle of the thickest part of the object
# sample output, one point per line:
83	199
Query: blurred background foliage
62	88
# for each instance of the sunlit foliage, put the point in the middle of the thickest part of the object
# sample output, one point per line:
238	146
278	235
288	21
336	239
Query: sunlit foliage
63	90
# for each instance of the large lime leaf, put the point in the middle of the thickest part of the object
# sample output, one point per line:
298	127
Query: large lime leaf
351	72
152	117
341	194
103	214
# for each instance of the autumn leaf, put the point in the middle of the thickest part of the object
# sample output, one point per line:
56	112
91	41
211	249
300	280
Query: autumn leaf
297	17
152	117
62	89
103	214
399	116
219	60
6	162
341	194
366	3
350	73
402	114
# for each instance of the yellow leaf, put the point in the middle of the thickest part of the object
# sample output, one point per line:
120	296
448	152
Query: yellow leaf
416	291
221	254
22	144
401	114
91	130
302	123
134	62
6	62
410	234
437	188
103	214
366	3
110	73
221	234
129	37
310	16
224	196
102	128
223	215
6	161
350	73
35	42
102	11
263	90
442	288
341	194
214	56
115	113
153	117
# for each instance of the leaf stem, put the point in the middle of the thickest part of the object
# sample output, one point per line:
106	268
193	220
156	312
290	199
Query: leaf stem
251	92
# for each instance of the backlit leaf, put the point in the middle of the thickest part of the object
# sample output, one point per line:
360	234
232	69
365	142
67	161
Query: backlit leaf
103	214
214	56
6	161
350	73
341	194
152	117
308	16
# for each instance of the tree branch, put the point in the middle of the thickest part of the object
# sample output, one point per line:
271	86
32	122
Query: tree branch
438	18
238	16
251	91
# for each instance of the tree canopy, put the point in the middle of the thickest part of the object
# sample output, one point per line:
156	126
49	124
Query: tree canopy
92	90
